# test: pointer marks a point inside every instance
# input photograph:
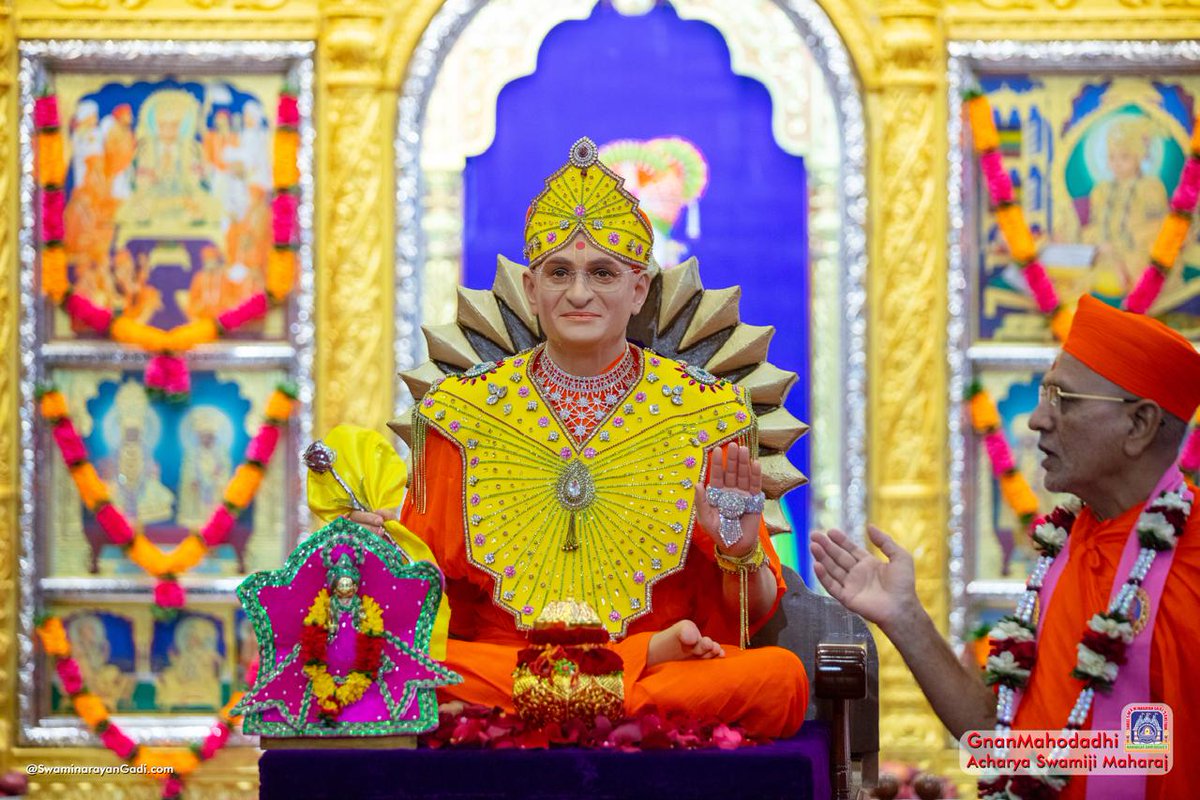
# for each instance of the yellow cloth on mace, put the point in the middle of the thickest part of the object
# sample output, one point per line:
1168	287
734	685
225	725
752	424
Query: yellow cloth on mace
373	469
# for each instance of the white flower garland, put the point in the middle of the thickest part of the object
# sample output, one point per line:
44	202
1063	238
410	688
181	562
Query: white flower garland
1014	637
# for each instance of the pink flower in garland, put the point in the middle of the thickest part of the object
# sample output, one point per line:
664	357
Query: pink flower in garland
53	203
262	446
169	375
69	674
114	524
288	114
1040	286
999	453
172	787
283	218
168	594
85	311
217	529
45	112
1187	192
115	740
218	735
1148	287
247	311
998	182
70	446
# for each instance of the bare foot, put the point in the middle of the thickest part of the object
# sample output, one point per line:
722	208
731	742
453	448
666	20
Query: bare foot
452	707
681	641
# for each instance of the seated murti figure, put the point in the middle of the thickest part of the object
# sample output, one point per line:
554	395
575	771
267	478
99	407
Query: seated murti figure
584	469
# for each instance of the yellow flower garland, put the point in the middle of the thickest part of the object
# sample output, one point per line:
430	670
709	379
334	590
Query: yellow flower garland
331	695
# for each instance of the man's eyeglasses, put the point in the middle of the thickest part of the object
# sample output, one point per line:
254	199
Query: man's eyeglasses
1053	395
598	279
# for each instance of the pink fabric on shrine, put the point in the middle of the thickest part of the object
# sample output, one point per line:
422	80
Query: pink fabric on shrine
401	600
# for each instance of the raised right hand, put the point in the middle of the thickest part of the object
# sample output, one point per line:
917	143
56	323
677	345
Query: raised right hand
882	592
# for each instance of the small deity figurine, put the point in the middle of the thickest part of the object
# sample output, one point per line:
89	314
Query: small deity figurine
344	630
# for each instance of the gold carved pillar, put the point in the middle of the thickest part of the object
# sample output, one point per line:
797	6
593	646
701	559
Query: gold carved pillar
10	376
908	350
354	281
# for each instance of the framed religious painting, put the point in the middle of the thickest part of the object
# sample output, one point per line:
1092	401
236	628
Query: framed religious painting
1066	162
166	278
144	665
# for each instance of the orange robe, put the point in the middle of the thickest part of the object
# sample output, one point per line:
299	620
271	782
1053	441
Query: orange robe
1083	590
764	689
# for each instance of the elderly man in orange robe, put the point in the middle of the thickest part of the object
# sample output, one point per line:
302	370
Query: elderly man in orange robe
583	469
1120	587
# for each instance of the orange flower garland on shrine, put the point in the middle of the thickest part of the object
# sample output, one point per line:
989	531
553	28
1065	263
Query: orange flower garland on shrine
167	373
239	493
171	765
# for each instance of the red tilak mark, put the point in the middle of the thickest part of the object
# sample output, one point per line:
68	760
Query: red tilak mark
579	245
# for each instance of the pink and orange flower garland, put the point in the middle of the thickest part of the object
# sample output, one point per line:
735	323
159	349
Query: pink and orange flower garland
1019	239
985	419
93	711
167	372
166	567
1010	218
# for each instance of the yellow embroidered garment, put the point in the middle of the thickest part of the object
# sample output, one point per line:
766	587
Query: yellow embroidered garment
599	520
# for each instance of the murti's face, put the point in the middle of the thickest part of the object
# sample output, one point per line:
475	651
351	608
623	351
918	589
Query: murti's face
579	315
345	587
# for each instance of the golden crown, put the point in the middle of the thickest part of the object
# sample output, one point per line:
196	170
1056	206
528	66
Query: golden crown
584	195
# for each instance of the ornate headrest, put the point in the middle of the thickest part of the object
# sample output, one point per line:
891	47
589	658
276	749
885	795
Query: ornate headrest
584	195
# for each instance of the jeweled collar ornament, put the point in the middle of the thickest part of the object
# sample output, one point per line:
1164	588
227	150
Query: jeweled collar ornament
586	196
582	403
1106	638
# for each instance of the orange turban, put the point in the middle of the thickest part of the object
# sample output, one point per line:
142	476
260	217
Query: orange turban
1137	353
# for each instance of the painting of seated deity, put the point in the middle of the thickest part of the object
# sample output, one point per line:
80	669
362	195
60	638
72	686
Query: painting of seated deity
168	212
188	658
1094	161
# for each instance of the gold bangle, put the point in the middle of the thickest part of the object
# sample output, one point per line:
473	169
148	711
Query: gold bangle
743	567
747	563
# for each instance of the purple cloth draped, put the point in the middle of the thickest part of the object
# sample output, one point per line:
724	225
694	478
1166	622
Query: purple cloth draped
796	768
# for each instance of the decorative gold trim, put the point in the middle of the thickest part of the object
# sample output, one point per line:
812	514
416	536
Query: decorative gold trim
907	363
